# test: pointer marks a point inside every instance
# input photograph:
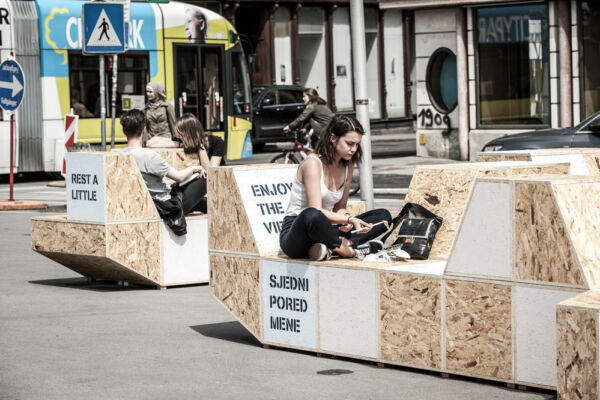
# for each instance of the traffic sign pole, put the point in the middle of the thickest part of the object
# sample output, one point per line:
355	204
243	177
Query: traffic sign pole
102	103
12	152
113	105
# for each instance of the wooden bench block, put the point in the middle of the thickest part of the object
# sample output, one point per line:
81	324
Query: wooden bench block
583	161
112	229
577	337
106	187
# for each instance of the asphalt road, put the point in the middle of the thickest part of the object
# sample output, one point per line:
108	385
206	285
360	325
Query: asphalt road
62	338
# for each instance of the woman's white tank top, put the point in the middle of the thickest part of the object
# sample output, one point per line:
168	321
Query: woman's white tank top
299	201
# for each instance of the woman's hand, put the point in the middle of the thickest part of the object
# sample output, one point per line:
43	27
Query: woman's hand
200	170
360	225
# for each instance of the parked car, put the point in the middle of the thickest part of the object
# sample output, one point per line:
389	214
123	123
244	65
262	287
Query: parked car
274	107
586	134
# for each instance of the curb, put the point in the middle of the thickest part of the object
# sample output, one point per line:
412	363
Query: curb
6	205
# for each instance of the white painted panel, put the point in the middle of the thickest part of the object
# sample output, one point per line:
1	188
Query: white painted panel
553	65
348	311
372	49
483	243
434	268
472	93
85	187
394	64
53	130
422	95
553	41
577	166
575	65
576	112
426	44
342	59
552	18
437	20
576	94
311	42
265	194
283	45
5	145
185	258
535	330
555	116
473	116
289	304
554	90
421	66
469	19
51	109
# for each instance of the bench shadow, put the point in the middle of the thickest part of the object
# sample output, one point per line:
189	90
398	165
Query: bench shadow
231	331
95	286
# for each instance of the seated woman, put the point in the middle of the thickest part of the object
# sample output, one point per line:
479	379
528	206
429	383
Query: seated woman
154	168
210	149
316	223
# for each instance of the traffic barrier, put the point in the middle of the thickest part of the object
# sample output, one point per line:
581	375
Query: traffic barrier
113	231
71	123
517	239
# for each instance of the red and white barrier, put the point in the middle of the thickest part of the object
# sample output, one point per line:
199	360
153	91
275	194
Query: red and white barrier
71	123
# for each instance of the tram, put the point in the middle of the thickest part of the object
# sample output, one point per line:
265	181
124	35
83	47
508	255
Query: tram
193	51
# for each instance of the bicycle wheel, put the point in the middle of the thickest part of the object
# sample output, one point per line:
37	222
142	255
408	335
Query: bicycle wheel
285	158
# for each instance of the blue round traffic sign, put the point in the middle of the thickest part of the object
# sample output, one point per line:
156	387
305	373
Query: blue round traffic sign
12	85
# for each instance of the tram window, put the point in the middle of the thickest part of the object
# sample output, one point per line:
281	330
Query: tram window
85	82
212	88
241	85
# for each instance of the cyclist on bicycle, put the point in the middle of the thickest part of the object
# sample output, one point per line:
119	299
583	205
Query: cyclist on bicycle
316	113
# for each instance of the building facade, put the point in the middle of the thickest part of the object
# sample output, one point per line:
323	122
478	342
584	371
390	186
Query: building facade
484	69
464	71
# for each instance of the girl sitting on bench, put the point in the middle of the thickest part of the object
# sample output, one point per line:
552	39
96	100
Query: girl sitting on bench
316	223
210	150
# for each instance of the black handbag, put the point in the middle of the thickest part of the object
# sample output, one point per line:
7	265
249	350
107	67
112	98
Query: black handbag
415	235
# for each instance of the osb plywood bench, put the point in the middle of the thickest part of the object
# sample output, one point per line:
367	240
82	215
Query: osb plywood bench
113	231
516	240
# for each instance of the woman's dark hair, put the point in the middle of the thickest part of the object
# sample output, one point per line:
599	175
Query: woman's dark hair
339	126
192	133
313	96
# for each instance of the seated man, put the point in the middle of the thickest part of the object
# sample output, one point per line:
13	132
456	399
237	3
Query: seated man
154	168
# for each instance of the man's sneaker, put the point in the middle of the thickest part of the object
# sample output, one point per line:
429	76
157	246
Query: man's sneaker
372	246
319	252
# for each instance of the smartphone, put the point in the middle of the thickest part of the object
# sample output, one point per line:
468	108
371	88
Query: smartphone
365	228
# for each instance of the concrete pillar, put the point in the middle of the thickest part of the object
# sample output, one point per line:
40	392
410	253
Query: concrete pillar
462	77
564	56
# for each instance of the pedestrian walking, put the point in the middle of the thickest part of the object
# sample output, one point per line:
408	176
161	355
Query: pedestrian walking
160	114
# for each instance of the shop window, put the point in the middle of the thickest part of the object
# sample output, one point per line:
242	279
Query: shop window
84	83
441	80
342	59
283	45
311	43
372	48
590	13
513	71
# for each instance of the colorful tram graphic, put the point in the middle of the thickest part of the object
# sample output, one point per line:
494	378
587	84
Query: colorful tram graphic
193	51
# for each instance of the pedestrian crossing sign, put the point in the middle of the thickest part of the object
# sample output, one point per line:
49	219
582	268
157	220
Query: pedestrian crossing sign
104	28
